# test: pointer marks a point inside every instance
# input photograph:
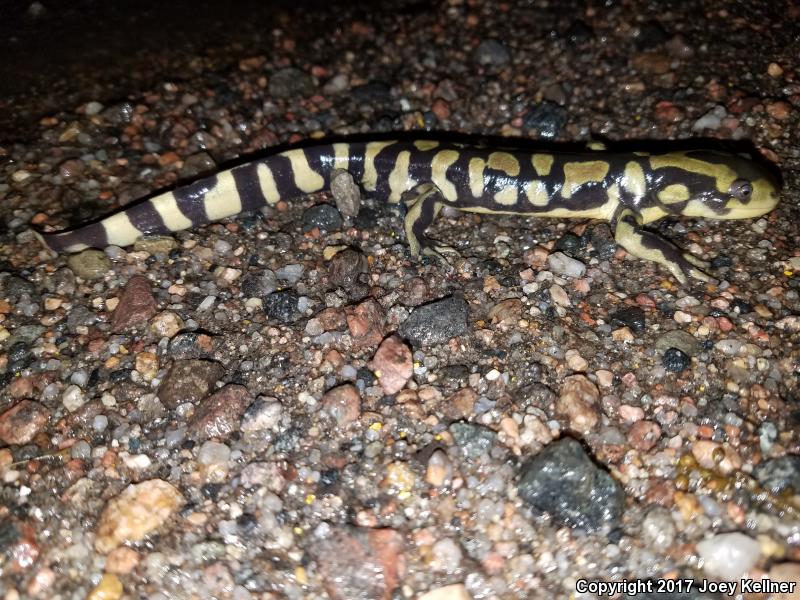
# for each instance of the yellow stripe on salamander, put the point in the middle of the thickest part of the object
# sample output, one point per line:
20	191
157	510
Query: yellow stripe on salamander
370	179
223	199
266	180
722	174
120	231
476	182
503	161
399	178
580	172
167	208
542	163
341	154
305	178
439	165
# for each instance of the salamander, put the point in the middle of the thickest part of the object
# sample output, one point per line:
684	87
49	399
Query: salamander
627	189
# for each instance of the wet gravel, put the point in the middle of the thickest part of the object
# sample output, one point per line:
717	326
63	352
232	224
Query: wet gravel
285	405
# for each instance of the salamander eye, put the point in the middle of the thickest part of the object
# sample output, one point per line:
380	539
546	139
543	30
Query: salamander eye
741	189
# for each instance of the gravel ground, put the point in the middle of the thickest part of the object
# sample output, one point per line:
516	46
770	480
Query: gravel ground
244	411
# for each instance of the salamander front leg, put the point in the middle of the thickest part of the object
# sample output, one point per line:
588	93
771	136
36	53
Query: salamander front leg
647	245
422	209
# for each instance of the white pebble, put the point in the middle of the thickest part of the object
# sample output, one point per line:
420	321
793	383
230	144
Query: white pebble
92	108
20	175
136	462
446	556
79	378
222	247
711	120
493	375
561	264
73	398
115	253
290	273
729	555
207	303
213	453
728	346
559	296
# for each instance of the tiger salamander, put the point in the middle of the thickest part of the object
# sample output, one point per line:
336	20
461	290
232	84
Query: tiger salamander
629	190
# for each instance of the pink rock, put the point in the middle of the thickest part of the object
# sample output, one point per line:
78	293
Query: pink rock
392	364
358	563
219	415
343	403
20	423
136	304
366	322
579	403
644	435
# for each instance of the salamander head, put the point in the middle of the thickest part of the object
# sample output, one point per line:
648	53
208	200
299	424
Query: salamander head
712	184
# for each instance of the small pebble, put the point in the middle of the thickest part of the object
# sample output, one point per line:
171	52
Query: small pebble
89	264
392	364
729	556
491	52
675	360
561	264
73	398
138	510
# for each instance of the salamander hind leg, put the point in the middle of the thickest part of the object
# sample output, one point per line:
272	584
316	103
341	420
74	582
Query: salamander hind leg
422	208
649	246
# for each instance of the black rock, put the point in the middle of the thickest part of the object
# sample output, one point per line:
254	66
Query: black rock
9	535
741	306
197	164
721	261
290	83
18	352
348	268
563	481
329	477
282	306
603	241
211	491
667	309
14	288
185	346
374	92
570	244
367	217
436	322
454	374
547	118
119	114
259	284
651	35
247	522
491	53
535	394
474	440
780	474
324	216
288	441
5	379
578	33
675	360
365	378
119	375
80	316
632	316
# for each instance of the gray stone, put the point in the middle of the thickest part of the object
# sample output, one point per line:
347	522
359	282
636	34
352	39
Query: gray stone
436	322
562	480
